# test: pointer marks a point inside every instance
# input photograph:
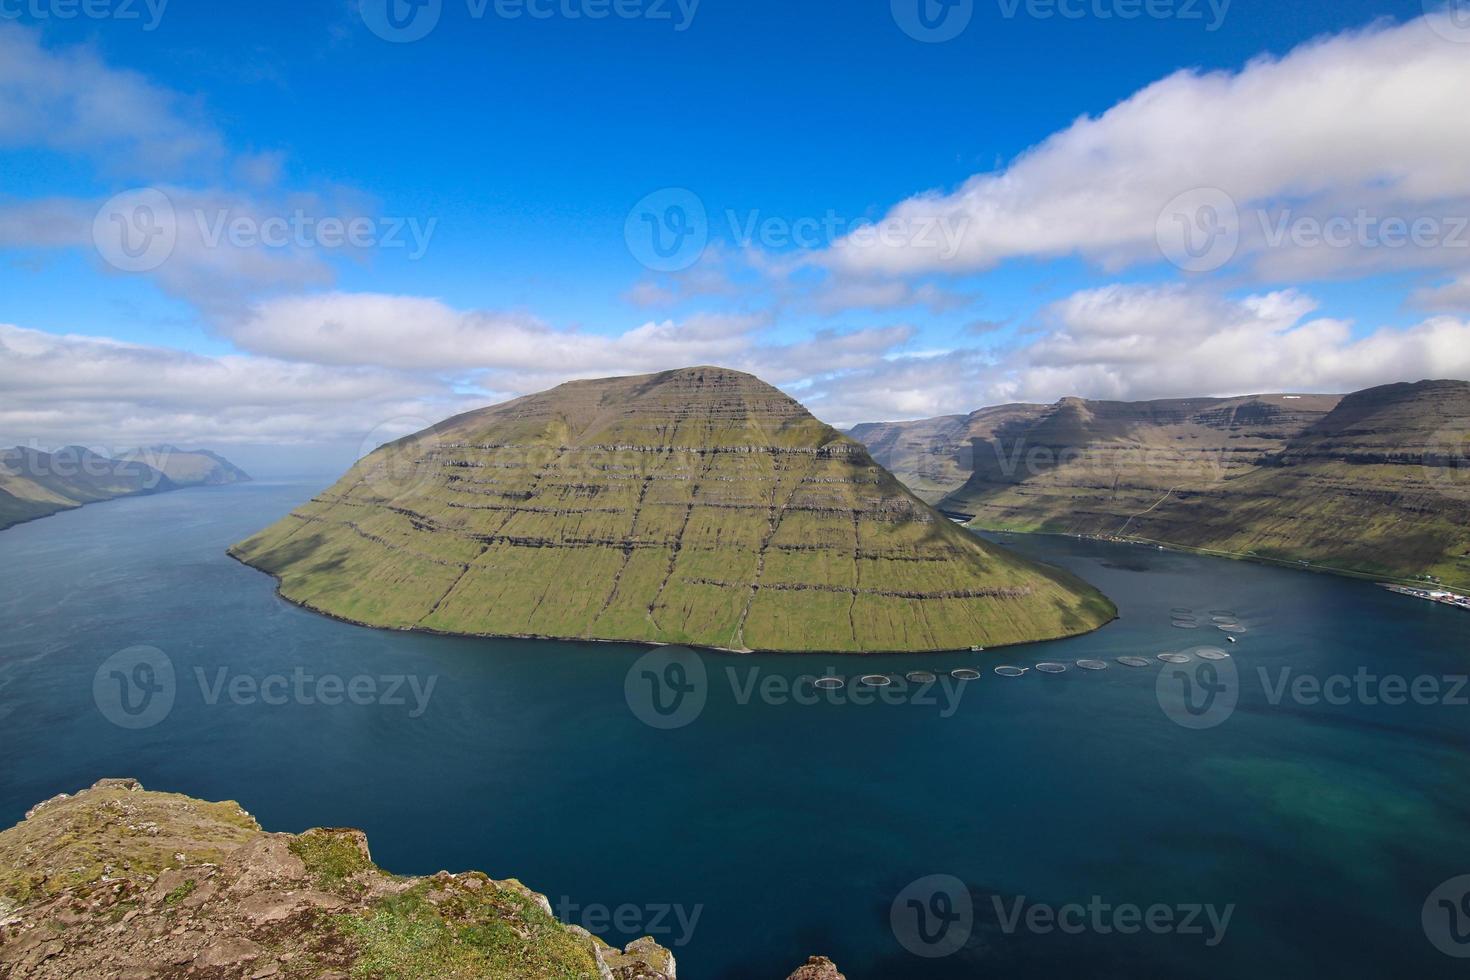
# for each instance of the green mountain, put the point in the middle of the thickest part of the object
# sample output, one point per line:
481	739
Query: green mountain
1374	483
699	506
190	467
37	484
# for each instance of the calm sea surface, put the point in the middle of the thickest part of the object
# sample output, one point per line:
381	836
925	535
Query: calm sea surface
773	823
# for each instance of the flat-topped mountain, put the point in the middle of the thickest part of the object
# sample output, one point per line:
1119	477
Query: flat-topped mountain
699	506
1376	482
936	457
37	484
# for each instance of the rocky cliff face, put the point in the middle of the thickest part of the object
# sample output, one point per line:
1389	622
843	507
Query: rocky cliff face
118	883
699	506
1376	483
934	457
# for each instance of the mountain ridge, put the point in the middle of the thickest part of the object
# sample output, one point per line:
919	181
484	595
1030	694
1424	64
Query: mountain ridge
1371	483
36	484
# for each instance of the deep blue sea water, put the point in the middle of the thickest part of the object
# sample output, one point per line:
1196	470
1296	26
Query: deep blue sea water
791	828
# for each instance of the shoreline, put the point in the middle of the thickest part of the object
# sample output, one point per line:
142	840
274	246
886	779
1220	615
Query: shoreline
651	644
1299	564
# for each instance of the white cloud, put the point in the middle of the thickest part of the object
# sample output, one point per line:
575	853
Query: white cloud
516	350
69	101
63	389
1143	342
1452	295
1373	119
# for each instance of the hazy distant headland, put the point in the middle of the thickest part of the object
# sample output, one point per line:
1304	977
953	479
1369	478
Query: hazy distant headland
35	483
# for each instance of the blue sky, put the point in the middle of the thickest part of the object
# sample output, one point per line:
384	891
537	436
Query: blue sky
522	144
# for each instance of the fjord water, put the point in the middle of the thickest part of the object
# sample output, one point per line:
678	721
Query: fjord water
787	828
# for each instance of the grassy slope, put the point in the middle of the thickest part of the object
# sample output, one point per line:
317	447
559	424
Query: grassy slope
185	869
1350	491
700	507
35	484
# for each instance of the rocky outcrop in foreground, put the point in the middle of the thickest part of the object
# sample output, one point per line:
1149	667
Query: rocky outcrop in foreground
121	883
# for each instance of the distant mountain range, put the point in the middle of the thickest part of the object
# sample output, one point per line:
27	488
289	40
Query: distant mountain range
699	506
37	484
1373	483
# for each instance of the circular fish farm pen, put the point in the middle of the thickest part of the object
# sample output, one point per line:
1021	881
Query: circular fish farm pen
1225	620
1134	661
1052	668
920	677
1236	629
1181	611
1183	624
1010	671
876	680
1174	658
829	683
1210	653
1092	664
1231	613
963	674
